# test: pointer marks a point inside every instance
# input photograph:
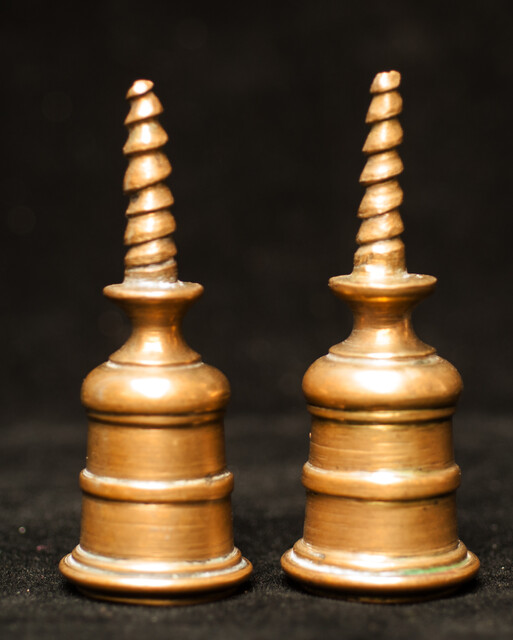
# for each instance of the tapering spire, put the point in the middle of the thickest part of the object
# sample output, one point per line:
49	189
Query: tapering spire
381	251
150	258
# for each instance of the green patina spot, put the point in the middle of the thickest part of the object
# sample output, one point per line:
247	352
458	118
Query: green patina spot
412	572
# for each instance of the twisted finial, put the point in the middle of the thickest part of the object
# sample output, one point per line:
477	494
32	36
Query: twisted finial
381	251
150	258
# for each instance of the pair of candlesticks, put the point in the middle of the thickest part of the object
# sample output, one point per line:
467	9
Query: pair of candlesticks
380	520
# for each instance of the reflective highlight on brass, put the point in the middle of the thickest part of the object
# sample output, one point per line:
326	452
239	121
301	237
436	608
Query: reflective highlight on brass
156	513
380	519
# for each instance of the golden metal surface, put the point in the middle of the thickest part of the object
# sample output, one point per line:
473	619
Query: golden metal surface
380	519
156	514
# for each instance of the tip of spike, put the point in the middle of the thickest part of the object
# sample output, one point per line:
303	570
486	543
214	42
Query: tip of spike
385	81
139	88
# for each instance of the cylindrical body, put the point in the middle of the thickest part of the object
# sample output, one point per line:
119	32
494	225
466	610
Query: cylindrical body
381	478
156	513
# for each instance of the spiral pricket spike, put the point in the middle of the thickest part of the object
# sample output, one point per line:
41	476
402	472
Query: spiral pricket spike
151	252
381	251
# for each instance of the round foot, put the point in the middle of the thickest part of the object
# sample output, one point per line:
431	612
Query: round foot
155	583
157	602
370	578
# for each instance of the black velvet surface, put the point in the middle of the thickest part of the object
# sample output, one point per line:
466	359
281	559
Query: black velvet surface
264	105
40	503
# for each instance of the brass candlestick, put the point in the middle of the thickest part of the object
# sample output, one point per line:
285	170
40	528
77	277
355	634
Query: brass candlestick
156	514
381	479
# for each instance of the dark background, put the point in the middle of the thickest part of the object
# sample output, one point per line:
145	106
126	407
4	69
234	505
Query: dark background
265	106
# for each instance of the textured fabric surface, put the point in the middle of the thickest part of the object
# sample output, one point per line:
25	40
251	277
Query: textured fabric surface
265	106
39	523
